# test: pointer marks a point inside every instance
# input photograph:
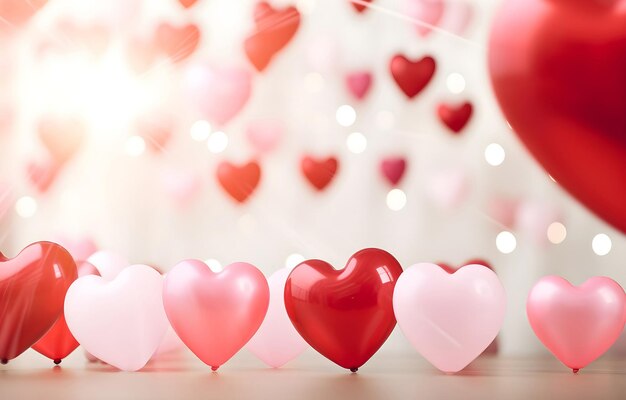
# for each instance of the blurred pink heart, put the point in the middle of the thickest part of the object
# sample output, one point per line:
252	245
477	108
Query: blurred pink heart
156	130
277	341
458	16
42	173
393	169
427	11
533	218
121	322
108	263
80	248
181	186
448	188
218	93
62	136
264	135
215	314
450	319
359	83
577	324
503	211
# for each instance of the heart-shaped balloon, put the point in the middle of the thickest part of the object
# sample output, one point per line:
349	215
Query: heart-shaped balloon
273	30
187	3
457	17
577	324
360	7
58	342
277	342
448	188
346	315
412	76
559	79
182	186
393	169
359	83
218	93
177	42
215	314
455	117
239	181
319	172
426	11
264	135
43	173
450	319
62	136
32	289
120	322
16	13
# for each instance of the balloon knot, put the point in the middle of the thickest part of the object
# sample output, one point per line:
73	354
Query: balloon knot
575	370
214	368
57	361
353	370
4	361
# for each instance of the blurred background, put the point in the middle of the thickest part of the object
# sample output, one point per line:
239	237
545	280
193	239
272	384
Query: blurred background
115	115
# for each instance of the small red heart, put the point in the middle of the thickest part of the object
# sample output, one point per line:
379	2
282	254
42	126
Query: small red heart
412	76
187	3
359	83
62	136
178	42
32	292
274	29
58	342
393	169
346	315
319	172
455	117
360	7
239	181
42	174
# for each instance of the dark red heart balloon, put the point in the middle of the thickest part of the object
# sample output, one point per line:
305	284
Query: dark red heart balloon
412	76
239	181
178	42
393	169
455	117
319	172
274	29
360	7
59	343
32	293
346	314
560	78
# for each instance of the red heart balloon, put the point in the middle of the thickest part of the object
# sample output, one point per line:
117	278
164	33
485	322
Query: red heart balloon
319	172
360	7
558	70
393	169
346	314
239	181
178	42
59	343
412	76
32	292
455	117
274	29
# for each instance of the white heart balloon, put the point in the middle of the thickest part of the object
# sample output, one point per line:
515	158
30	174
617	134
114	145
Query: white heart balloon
450	319
121	322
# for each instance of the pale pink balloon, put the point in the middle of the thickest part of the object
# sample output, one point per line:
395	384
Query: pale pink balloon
450	319
264	135
120	322
277	342
359	83
215	314
503	210
448	188
218	93
457	17
181	186
81	248
534	217
427	11
108	263
577	323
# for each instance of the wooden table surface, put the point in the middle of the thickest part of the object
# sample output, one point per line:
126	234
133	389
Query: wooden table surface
386	376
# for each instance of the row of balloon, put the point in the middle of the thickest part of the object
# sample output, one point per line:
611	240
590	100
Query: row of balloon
121	314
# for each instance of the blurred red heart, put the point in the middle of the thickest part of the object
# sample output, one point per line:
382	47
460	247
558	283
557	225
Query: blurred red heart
187	3
455	117
360	7
42	174
319	172
359	83
346	314
59	343
62	136
16	12
32	292
558	70
239	181
393	169
274	29
177	42
412	76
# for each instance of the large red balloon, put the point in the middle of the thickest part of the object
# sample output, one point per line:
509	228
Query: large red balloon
346	314
32	293
558	68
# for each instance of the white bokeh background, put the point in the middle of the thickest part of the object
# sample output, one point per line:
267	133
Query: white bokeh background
118	199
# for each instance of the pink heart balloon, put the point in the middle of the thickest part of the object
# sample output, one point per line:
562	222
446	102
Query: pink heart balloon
450	319
108	263
181	186
277	341
215	314
264	135
428	11
121	322
534	218
218	93
43	173
503	210
393	169
457	17
359	83
577	324
448	188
